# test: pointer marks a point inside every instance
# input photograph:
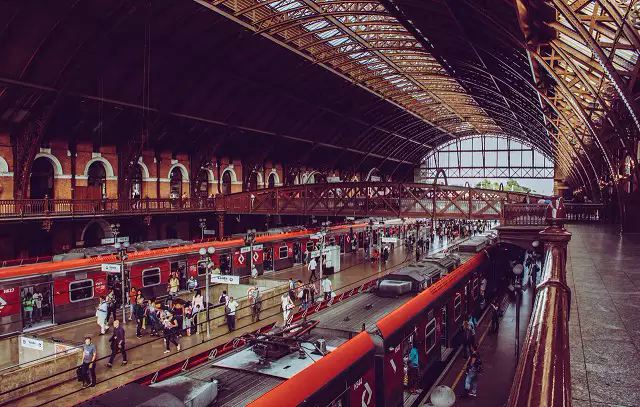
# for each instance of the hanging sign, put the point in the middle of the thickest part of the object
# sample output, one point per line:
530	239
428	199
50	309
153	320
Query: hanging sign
224	279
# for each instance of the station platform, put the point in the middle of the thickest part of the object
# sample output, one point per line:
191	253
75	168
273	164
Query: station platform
604	325
146	355
497	352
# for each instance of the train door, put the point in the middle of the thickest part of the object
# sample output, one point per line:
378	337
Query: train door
444	332
267	258
36	304
257	257
179	269
297	252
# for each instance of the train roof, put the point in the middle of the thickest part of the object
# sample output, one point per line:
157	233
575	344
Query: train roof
134	394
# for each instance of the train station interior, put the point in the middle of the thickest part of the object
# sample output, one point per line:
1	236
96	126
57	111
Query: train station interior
321	203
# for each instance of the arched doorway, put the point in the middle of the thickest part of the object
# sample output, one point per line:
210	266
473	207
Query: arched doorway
93	235
97	181
41	180
272	180
136	182
175	183
318	178
253	181
226	183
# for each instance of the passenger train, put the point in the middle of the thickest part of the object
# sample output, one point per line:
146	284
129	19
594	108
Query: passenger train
72	283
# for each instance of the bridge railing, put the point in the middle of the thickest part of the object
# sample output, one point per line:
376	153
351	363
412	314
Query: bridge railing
535	214
543	374
38	208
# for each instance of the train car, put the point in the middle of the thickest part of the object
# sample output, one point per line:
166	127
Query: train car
71	284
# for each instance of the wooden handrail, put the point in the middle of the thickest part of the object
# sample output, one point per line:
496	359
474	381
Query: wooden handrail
543	375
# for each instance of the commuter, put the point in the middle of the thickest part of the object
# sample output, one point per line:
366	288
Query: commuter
417	253
224	298
414	369
254	271
111	305
27	307
138	314
173	286
306	298
88	368
313	264
468	338
170	325
535	269
232	306
385	254
101	315
197	305
192	283
483	289
37	306
177	310
473	323
495	316
307	254
326	288
255	302
292	289
133	300
287	306
117	344
471	380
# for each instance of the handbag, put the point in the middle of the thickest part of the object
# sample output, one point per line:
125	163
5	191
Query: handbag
79	375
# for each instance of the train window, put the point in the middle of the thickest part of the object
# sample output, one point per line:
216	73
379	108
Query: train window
283	252
151	277
457	307
80	290
430	336
202	268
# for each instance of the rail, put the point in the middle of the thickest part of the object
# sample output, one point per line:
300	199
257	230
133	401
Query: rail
386	199
543	375
521	214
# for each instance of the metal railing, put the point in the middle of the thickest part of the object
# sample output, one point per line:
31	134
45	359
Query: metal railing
543	375
514	214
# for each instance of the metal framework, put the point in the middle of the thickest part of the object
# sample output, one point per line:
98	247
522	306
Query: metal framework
363	41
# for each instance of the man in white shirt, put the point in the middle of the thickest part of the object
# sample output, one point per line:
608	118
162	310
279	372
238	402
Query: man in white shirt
313	264
232	306
326	288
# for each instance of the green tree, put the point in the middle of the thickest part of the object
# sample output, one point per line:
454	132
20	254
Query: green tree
511	185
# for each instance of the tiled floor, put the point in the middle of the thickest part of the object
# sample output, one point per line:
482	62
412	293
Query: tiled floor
146	354
603	273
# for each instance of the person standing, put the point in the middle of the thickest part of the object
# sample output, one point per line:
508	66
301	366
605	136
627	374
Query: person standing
224	298
255	302
117	344
471	380
27	307
313	264
232	306
495	316
133	300
414	369
138	314
174	285
326	288
468	338
170	326
306	298
102	313
254	271
111	306
192	283
287	306
88	368
197	305
37	306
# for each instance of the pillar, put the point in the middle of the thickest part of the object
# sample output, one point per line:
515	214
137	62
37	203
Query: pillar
220	226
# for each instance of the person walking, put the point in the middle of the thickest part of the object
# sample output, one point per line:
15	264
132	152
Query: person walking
101	315
287	306
306	298
255	302
326	288
232	306
471	379
313	264
88	367
117	344
170	326
468	338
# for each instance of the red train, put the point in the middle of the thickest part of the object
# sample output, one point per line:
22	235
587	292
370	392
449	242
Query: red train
368	370
71	288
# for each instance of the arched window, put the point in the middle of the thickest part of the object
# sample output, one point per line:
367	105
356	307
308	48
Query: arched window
272	180
175	183
97	181
41	181
202	183
253	181
136	182
226	183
